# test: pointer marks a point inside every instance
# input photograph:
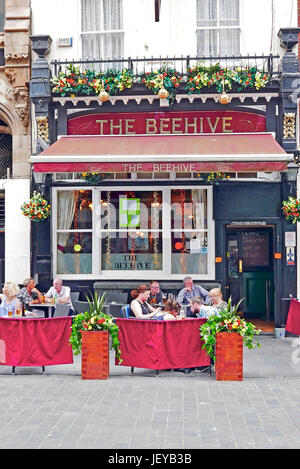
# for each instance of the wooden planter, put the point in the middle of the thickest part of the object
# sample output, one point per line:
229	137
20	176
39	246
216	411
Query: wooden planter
229	357
95	355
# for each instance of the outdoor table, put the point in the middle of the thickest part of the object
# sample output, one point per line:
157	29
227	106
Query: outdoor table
35	342
161	345
293	319
47	307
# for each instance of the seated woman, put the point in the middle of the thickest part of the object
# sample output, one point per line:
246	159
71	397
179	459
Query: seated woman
217	300
139	307
9	298
171	310
29	294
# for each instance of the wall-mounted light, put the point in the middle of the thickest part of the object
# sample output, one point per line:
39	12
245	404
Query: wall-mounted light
39	178
291	176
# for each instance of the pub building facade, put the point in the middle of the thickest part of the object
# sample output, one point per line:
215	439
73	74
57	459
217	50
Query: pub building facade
132	199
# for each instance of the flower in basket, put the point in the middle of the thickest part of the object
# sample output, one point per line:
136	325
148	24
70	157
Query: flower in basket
37	208
166	78
214	177
227	320
94	320
291	209
92	178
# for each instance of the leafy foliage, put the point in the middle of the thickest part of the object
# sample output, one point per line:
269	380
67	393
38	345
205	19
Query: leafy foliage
291	209
227	320
37	208
94	320
214	178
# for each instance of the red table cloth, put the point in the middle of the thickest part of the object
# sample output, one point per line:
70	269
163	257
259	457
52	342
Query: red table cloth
35	342
293	319
161	345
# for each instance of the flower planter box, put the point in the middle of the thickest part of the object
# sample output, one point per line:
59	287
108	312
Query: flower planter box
95	355
229	357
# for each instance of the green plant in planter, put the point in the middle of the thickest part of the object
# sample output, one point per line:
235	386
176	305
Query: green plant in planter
92	178
227	320
213	178
94	320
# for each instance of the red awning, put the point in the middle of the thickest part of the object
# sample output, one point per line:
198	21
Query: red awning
163	153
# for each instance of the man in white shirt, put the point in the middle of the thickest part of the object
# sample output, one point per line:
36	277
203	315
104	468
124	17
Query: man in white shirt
60	293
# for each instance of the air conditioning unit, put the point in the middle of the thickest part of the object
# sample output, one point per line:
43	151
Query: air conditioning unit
65	42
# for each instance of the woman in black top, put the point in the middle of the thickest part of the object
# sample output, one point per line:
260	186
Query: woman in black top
139	307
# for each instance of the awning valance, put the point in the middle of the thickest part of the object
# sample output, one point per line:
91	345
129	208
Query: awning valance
163	153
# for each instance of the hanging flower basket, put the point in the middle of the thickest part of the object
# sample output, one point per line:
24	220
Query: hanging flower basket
92	178
37	208
213	178
291	209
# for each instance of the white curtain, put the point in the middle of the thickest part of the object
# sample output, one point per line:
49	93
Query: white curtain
65	214
102	24
219	32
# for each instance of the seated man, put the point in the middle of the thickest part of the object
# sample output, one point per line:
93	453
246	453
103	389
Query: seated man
60	293
156	295
190	291
199	310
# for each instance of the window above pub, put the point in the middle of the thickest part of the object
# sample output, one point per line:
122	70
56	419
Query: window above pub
218	27
102	29
2	15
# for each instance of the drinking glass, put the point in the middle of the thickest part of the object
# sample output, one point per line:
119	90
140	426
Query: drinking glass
10	312
18	312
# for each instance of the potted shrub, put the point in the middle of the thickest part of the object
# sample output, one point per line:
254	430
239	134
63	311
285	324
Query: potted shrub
223	335
90	336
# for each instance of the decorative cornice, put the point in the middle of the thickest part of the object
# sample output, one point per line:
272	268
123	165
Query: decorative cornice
164	102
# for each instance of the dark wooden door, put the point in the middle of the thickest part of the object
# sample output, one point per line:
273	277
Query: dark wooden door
250	271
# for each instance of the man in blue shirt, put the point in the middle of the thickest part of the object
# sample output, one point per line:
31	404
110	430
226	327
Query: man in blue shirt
190	291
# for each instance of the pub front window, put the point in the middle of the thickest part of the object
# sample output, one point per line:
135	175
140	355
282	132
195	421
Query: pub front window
146	233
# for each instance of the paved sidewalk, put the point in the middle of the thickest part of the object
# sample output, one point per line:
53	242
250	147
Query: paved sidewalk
60	410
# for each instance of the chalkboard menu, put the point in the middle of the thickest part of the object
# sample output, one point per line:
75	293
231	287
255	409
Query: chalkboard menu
255	249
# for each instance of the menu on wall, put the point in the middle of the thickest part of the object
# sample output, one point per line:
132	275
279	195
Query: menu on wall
255	249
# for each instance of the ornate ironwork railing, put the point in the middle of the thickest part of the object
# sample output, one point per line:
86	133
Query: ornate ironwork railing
265	63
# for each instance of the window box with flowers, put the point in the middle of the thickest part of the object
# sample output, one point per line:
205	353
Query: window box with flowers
291	209
90	336
37	208
213	178
223	335
92	178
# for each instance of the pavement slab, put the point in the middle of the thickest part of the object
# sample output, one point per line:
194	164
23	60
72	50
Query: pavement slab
59	410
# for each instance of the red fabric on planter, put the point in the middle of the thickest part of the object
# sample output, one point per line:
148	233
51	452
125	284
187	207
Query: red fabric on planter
161	345
293	319
35	342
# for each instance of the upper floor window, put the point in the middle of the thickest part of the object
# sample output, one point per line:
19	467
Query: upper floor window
2	15
218	27
102	29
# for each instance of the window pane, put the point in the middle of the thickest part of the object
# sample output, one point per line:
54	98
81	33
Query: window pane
206	13
131	209
2	15
229	12
133	250
229	41
74	253
74	210
189	209
207	42
189	253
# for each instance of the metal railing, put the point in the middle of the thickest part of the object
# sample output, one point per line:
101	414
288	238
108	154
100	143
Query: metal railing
265	63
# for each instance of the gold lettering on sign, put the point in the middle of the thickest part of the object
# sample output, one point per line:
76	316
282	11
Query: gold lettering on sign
101	122
176	121
129	126
226	125
213	127
192	126
116	126
164	124
151	126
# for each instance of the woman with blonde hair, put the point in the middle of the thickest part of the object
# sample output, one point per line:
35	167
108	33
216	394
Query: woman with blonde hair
9	298
139	307
216	299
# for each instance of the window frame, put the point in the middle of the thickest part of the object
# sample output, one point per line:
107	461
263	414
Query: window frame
218	28
164	274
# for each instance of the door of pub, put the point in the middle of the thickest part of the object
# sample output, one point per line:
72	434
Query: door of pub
249	270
